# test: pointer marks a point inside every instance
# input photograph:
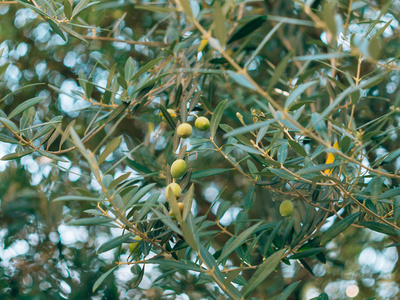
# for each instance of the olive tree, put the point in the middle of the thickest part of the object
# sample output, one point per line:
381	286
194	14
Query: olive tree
234	149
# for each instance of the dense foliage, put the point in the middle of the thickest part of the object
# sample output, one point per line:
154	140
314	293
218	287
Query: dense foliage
199	149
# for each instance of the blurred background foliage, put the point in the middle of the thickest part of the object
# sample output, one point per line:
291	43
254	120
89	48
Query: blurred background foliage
42	257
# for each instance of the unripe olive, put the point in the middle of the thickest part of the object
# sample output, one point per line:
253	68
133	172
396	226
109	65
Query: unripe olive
286	208
184	130
171	112
178	168
175	188
181	205
134	247
202	123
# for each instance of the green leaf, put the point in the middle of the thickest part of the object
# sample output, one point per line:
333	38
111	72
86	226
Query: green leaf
188	200
248	128
154	8
248	149
16	155
318	168
306	253
117	111
207	173
181	265
51	155
312	57
271	237
111	147
288	291
237	242
24	106
297	92
187	8
56	28
102	278
118	180
89	221
220	23
68	9
7	139
265	269
122	82
129	69
146	67
392	156
77	198
115	242
379	227
241	79
143	191
3	69
248	28
210	262
280	68
150	202
168	117
167	221
9	123
222	208
338	227
216	117
79	7
282	153
298	148
396	209
323	296
282	173
73	33
250	198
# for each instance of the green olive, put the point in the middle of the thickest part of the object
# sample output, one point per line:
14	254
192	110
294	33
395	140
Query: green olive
174	188
134	247
286	208
202	123
184	130
178	168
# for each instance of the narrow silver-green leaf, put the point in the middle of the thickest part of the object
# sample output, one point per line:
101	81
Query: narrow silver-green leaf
266	268
146	67
89	221
143	191
219	23
24	106
68	9
3	69
102	278
338	227
78	198
79	7
207	173
111	147
9	123
288	291
188	200
237	242
115	242
216	117
297	92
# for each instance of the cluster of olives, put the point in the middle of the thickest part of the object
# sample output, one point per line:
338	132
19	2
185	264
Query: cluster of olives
179	166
